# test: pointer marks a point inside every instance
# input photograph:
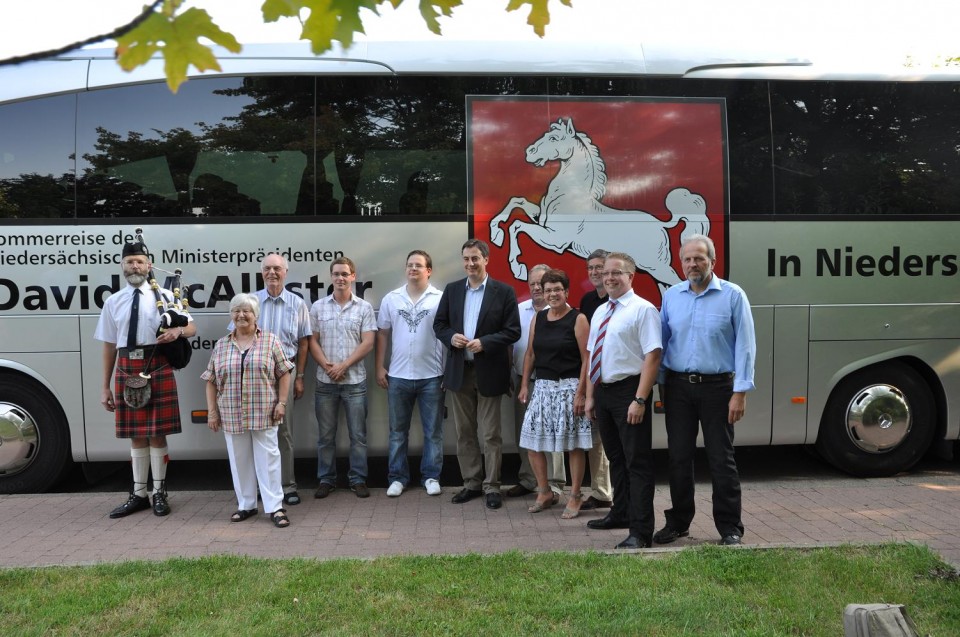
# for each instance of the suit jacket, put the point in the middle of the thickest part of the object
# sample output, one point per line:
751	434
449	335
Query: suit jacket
498	327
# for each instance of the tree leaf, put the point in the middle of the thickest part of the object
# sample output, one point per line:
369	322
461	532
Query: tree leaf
428	9
176	36
327	21
539	16
273	10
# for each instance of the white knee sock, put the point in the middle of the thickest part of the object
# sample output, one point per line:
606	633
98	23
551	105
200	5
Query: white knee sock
140	462
158	464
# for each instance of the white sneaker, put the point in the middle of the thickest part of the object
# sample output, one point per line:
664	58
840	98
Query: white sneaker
395	489
432	486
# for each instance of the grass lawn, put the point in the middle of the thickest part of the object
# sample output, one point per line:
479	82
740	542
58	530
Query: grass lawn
701	591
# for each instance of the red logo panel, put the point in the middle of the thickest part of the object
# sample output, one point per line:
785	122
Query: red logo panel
552	179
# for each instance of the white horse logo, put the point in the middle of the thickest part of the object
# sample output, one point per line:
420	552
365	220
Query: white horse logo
576	192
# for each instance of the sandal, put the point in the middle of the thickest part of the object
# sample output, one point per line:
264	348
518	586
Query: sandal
568	513
280	519
242	514
539	506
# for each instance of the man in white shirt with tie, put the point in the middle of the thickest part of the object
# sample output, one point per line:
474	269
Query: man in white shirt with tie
625	348
130	319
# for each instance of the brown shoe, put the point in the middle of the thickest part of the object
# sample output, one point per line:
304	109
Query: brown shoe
360	490
593	503
518	490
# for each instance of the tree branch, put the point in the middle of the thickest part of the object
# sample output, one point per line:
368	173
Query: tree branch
113	35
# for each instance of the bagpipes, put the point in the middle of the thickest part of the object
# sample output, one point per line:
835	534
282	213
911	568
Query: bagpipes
173	314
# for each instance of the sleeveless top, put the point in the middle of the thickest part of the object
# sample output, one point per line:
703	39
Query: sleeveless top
555	349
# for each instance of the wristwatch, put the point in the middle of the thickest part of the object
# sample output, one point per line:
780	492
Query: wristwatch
640	400
299	374
282	402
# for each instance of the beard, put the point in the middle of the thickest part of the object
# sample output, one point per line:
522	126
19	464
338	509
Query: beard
136	280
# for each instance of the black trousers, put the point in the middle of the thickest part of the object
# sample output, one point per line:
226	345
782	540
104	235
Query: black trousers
628	448
688	407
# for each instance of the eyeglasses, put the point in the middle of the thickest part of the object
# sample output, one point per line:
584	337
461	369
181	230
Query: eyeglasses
613	273
341	275
416	266
551	291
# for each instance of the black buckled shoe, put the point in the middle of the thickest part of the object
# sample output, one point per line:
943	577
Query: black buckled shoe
133	504
669	534
292	498
730	540
160	506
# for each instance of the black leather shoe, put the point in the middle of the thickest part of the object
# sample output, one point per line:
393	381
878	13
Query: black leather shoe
593	503
292	498
730	540
494	501
608	522
518	490
634	542
133	504
465	495
160	506
668	534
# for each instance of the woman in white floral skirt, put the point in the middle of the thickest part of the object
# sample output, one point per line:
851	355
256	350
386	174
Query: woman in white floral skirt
555	418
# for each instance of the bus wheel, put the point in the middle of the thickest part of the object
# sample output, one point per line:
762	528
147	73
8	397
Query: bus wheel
34	437
879	421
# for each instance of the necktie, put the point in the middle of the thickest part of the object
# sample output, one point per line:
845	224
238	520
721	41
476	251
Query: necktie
598	346
134	320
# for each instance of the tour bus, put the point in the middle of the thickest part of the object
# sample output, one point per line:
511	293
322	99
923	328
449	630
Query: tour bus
832	198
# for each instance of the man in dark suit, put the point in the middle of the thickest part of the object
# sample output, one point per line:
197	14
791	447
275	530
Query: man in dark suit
477	321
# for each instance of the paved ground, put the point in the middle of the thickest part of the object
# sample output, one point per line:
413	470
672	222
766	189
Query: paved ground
74	528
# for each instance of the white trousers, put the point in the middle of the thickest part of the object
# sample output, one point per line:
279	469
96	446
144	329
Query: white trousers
255	459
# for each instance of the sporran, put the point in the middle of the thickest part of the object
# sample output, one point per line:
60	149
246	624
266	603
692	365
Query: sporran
136	391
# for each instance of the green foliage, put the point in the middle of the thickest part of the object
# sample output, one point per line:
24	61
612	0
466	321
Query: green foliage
429	10
539	16
177	37
704	591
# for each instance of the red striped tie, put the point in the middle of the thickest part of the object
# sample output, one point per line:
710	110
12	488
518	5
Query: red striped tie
598	346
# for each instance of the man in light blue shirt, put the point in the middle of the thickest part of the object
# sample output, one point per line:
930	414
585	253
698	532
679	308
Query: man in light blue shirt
709	348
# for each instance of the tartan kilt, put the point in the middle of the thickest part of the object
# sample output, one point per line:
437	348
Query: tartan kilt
160	416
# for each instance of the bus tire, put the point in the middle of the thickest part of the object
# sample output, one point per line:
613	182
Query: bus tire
34	437
879	421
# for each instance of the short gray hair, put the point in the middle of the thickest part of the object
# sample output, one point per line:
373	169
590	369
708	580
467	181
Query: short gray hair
599	253
705	240
540	266
246	300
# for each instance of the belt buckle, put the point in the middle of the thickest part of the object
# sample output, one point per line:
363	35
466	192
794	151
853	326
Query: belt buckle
694	379
136	354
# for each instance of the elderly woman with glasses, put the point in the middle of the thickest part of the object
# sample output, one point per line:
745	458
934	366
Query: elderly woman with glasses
555	418
247	377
